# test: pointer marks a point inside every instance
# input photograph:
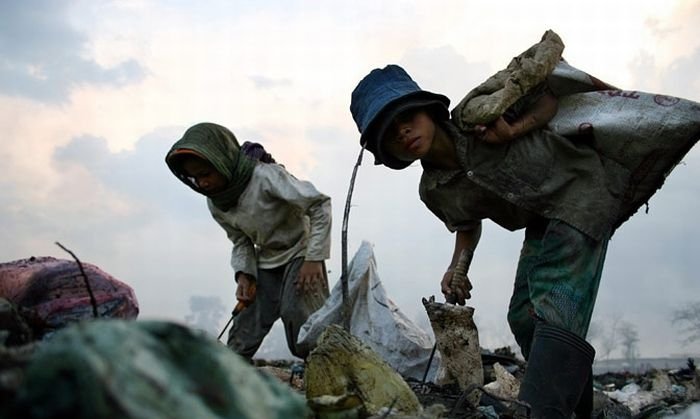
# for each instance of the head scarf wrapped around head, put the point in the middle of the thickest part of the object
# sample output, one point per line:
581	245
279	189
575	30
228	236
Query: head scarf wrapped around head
256	151
218	146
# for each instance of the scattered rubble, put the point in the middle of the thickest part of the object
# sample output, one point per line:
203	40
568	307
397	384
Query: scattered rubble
56	360
505	386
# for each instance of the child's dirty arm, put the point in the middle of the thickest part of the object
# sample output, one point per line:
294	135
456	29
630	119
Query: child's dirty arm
537	116
312	278
464	240
243	257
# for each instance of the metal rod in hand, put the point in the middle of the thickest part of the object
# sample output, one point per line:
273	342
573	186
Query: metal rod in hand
344	244
240	306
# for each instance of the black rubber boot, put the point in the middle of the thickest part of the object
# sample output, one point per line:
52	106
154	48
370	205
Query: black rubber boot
558	374
584	409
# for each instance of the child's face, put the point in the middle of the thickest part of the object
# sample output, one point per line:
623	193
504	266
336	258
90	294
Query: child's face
410	135
208	179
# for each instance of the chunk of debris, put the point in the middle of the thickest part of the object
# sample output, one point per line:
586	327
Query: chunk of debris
457	339
52	293
506	386
342	366
129	370
331	407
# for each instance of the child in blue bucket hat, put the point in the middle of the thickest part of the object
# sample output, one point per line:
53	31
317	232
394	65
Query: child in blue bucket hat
551	165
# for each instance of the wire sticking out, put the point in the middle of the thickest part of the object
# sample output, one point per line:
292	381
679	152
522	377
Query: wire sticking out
85	279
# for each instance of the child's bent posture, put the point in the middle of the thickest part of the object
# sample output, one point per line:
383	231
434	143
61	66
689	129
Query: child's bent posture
568	181
279	226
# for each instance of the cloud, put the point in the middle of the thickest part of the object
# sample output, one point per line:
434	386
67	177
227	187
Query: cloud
444	70
262	82
43	58
683	75
91	173
125	212
140	175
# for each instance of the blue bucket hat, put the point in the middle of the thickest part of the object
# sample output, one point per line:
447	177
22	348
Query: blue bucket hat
379	98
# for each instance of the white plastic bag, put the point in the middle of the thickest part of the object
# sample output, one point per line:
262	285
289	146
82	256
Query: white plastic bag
376	320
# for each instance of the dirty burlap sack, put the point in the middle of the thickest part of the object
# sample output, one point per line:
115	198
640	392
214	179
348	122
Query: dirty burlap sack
640	137
491	98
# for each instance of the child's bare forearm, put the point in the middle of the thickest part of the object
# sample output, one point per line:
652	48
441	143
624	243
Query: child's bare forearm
537	116
465	239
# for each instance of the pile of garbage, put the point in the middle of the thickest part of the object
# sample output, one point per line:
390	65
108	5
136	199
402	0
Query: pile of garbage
64	362
654	394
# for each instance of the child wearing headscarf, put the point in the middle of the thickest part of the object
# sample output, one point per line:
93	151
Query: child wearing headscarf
279	226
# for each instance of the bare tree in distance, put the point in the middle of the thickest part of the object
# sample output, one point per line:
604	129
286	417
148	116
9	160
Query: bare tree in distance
629	338
687	318
607	335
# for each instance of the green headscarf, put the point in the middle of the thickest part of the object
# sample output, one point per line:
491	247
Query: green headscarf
219	146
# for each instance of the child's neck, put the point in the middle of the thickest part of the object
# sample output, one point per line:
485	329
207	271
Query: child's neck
442	154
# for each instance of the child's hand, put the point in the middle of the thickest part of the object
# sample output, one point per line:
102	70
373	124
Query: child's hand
497	132
445	287
455	288
245	292
311	278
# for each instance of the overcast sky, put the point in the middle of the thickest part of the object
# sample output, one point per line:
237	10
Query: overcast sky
93	93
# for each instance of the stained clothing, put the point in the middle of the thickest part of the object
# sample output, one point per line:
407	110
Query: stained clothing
276	297
540	173
570	184
277	219
556	281
593	178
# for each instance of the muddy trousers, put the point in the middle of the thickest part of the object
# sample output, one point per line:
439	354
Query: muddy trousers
276	297
549	314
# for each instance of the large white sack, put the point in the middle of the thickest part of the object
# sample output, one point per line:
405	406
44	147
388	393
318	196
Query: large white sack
376	320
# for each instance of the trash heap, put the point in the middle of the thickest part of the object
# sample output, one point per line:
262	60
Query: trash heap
59	360
119	367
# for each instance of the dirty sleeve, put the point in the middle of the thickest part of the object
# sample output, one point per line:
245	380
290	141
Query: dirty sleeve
243	258
314	204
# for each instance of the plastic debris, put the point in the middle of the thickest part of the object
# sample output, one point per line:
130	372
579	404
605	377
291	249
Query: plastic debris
342	366
506	386
375	320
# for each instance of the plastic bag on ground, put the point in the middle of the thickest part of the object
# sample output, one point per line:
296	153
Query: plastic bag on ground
376	320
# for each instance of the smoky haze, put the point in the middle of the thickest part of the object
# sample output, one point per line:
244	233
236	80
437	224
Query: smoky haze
94	95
